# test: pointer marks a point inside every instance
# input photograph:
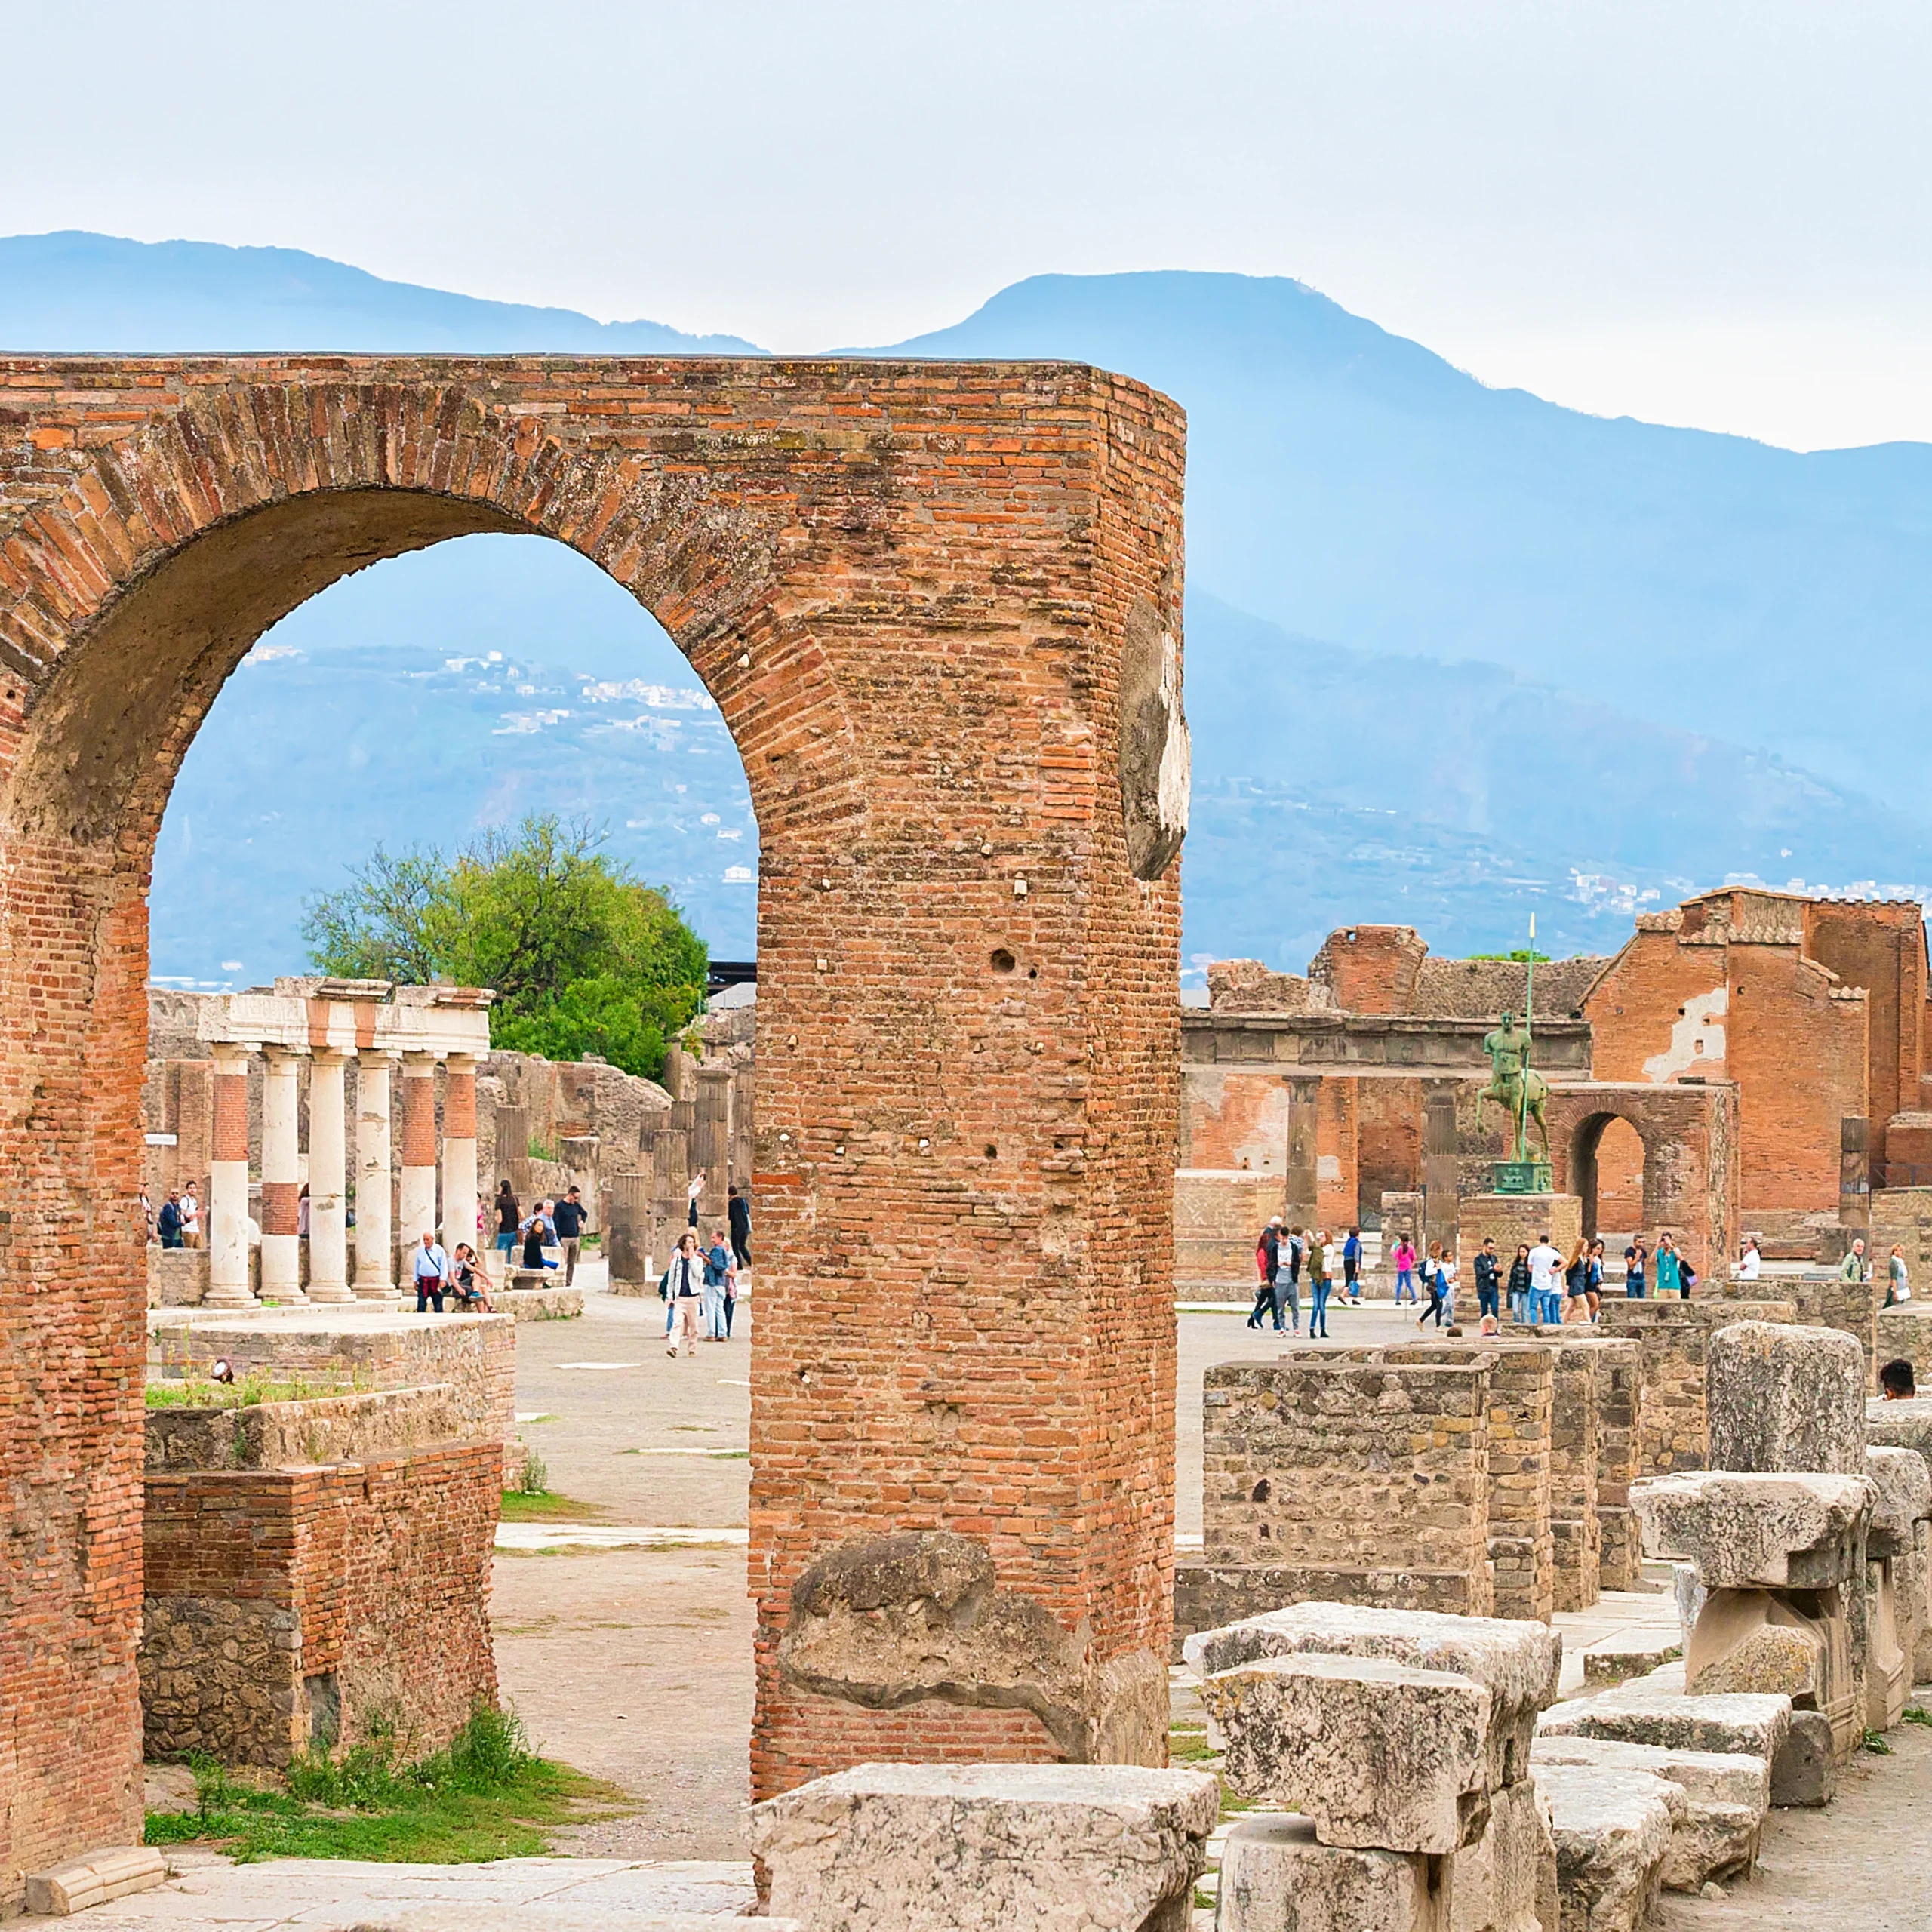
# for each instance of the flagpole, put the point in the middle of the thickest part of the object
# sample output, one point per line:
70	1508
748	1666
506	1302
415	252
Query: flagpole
1529	1004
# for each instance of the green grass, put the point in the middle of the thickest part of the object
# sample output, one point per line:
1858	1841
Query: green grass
1874	1742
487	1796
1917	1713
191	1391
545	1506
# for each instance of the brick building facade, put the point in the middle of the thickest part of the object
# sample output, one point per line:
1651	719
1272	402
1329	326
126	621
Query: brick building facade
940	607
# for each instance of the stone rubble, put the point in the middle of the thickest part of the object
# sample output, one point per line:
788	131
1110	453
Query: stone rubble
1612	1828
1779	1397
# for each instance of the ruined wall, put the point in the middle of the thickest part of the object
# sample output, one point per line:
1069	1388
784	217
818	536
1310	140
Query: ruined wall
1881	948
1576	1463
290	1607
1619	1391
1218	1219
1369	969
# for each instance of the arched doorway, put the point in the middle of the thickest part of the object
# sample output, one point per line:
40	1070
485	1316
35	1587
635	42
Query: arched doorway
1607	1171
953	681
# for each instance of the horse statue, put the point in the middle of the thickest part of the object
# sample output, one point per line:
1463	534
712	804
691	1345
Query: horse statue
1515	1086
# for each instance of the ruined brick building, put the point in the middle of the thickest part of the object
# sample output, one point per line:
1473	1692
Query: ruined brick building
1749	1060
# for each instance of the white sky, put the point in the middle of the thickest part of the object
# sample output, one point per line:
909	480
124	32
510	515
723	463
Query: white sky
1706	213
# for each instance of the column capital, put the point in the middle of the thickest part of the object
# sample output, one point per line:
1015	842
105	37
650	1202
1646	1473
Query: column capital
331	1056
231	1056
419	1060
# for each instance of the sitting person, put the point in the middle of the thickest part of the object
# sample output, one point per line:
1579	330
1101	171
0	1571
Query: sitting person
469	1280
536	1232
1896	1381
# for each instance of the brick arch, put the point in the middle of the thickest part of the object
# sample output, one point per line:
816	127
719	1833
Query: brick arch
908	585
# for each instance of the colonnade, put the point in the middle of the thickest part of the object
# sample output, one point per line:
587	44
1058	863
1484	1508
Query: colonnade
325	1024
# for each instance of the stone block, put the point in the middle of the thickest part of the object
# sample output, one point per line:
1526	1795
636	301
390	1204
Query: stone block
1275	1873
115	1872
1519	1664
1756	1531
1612	1830
1902	1501
1715	1836
1630	1654
555	1916
1378	1754
1749	1640
988	1847
1804	1772
1645	1713
1782	1398
1506	1881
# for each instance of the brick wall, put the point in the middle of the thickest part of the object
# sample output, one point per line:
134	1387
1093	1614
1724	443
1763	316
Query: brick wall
911	589
1619	1391
1576	1462
360	1589
1235	1119
1370	969
1218	1219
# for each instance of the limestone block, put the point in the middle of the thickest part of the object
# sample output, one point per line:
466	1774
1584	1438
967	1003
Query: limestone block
1506	1881
1644	1713
988	1847
1612	1829
1887	1660
1727	1796
114	1872
1756	1531
554	1915
1518	1663
1804	1772
1630	1654
1275	1873
1781	1398
1902	1499
1378	1754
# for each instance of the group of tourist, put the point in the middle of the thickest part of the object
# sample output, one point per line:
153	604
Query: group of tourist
177	1221
460	1276
701	1285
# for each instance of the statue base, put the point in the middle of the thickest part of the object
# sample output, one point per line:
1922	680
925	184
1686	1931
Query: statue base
1512	1221
1522	1177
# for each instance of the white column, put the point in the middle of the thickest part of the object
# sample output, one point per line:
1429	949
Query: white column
328	1256
460	1151
282	1178
375	1239
419	1146
227	1214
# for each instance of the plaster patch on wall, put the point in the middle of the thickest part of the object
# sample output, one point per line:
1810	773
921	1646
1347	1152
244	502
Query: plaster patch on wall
1697	1040
1328	1167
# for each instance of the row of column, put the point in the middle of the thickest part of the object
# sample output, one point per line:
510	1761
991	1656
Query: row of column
375	1230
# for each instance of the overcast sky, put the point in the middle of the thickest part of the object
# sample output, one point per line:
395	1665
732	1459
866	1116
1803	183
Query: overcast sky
1706	213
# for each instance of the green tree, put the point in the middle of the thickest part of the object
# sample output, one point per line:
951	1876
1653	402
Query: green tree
584	958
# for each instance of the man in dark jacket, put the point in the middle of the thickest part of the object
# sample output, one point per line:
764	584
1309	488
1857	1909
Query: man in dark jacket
1267	1265
738	1213
568	1217
1489	1298
168	1222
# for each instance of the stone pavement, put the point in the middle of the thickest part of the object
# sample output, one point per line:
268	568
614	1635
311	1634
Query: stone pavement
333	1895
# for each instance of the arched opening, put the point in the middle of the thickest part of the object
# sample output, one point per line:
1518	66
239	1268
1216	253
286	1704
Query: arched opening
1606	1173
921	653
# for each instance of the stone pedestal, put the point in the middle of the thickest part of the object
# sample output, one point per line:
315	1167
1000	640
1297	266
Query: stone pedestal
1512	1221
227	1216
328	1259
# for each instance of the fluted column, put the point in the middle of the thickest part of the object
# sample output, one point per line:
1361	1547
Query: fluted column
459	1150
328	1253
282	1178
419	1146
375	1236
228	1183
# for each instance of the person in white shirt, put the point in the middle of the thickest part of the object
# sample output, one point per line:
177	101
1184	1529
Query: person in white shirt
683	1288
1751	1260
695	1188
431	1270
191	1218
1546	1280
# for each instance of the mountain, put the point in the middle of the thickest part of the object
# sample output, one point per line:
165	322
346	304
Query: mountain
1346	484
77	293
1453	654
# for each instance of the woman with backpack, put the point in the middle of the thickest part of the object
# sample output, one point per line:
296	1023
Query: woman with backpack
1432	1282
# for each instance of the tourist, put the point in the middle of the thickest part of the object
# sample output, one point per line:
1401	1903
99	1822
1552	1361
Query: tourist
1287	1293
1405	1258
508	1219
1898	1283
1351	1267
1854	1268
1687	1277
1545	1280
1432	1269
683	1290
537	1233
470	1281
1633	1271
1664	1265
1520	1285
738	1212
147	1214
1896	1381
168	1222
1447	1273
720	1265
1319	1283
1489	1325
431	1270
1595	1282
1489	1272
568	1219
191	1217
1750	1261
693	1188
1267	1265
302	1214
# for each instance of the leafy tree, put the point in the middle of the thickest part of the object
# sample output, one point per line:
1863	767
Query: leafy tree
584	958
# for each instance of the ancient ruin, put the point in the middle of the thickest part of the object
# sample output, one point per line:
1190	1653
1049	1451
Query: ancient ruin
939	607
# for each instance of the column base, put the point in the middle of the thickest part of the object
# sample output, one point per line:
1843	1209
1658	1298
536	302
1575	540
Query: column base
330	1291
373	1290
221	1295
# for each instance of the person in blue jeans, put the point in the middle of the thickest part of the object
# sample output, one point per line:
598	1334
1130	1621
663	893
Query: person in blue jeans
1633	1271
1489	1283
1352	1266
1318	1284
1519	1285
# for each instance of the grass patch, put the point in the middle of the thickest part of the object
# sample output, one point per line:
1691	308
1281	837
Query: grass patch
487	1796
545	1506
1917	1713
192	1392
535	1420
1876	1745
